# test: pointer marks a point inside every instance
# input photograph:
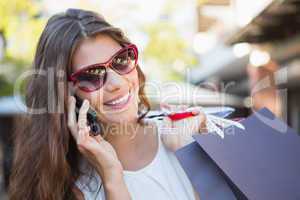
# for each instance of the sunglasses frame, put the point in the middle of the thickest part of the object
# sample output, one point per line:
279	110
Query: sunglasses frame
107	64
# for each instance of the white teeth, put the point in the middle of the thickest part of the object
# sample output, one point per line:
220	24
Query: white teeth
120	100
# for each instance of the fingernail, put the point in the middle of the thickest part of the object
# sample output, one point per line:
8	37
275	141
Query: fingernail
183	107
195	112
165	105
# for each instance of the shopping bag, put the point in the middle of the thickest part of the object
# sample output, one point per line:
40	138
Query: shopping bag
261	162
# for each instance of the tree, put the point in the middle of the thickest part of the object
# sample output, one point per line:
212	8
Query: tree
21	25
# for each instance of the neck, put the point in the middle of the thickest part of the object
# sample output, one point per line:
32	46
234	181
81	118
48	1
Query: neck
126	137
121	131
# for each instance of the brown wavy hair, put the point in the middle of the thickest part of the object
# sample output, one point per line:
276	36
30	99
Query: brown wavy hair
46	159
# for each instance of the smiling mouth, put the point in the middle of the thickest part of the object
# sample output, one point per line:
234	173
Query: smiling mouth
120	102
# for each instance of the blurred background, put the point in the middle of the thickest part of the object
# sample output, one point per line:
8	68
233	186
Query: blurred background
239	53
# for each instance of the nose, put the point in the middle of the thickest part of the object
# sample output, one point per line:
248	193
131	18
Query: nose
114	81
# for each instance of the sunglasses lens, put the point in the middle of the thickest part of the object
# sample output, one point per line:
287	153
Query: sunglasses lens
91	79
125	61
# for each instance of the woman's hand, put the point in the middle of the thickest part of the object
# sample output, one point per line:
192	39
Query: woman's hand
176	134
95	149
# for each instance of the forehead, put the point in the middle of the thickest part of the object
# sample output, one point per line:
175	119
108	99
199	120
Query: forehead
93	50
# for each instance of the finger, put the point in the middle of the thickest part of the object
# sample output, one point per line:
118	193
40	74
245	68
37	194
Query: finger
195	110
182	107
88	143
72	116
82	117
171	108
83	135
202	125
165	107
87	133
87	129
80	138
174	107
178	107
83	142
99	138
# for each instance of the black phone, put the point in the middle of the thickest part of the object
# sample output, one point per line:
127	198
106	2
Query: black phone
91	117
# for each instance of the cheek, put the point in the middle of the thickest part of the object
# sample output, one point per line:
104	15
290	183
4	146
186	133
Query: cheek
95	98
133	79
84	95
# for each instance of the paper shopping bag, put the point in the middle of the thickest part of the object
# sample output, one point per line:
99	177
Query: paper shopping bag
259	163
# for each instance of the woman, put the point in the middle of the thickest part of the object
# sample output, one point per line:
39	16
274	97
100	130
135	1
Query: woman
57	157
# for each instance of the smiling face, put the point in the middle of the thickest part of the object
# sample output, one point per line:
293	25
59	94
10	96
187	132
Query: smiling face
117	100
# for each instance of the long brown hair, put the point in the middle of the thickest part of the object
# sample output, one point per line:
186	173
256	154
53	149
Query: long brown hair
46	159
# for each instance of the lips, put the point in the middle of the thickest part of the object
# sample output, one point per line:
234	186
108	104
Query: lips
119	101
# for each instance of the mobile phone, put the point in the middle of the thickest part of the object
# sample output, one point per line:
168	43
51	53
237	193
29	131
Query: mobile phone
91	117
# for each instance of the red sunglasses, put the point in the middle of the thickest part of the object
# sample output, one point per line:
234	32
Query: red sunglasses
93	77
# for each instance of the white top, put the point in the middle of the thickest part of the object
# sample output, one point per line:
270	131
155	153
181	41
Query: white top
163	178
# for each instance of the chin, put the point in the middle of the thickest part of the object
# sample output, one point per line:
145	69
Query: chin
123	119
